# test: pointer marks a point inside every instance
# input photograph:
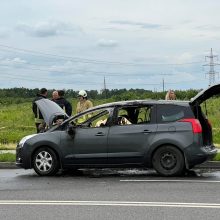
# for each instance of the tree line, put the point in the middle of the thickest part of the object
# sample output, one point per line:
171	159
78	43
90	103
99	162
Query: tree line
20	95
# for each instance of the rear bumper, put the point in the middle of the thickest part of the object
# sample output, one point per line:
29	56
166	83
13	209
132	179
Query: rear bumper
201	155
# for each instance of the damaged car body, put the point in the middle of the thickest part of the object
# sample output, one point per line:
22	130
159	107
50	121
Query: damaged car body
169	136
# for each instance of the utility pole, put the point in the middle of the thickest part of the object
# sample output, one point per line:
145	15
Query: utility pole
163	80
105	91
163	84
211	64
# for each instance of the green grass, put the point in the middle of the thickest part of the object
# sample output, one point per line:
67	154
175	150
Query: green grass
17	121
9	146
7	157
217	157
213	114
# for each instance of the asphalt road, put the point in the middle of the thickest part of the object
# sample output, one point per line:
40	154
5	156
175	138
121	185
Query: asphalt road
109	194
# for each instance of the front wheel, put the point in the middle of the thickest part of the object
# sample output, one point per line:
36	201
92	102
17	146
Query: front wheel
168	161
45	162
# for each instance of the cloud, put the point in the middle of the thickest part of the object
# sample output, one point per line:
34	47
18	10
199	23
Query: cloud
207	27
185	57
139	24
3	33
107	43
15	62
48	29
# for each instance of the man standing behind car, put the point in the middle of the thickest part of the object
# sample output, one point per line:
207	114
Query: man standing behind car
63	103
83	103
55	96
38	118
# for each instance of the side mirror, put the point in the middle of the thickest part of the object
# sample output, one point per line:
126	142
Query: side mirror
71	130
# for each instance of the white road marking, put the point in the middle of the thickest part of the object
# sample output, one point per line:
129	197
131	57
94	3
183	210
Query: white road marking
111	203
186	181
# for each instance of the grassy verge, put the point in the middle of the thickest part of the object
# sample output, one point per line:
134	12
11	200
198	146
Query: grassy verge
7	157
10	146
217	157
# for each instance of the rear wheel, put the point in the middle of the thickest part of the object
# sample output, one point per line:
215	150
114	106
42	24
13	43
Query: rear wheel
45	162
168	161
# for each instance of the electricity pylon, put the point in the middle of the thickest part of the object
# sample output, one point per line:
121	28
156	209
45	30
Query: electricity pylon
212	71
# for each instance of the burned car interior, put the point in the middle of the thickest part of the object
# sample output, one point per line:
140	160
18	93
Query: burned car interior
134	115
104	117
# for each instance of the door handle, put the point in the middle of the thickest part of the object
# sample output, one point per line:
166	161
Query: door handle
100	134
147	131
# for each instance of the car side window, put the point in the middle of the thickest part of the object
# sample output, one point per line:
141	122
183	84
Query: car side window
170	113
134	115
123	117
144	115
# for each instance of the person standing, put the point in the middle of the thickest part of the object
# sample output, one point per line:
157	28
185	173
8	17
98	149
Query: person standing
170	95
83	103
55	96
38	118
63	103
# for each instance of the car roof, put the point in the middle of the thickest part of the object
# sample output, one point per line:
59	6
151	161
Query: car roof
137	102
143	102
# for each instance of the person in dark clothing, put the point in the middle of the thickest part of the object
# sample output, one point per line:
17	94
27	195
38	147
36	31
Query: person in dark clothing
38	118
63	103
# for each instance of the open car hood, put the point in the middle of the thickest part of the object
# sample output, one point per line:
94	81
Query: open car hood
50	110
205	94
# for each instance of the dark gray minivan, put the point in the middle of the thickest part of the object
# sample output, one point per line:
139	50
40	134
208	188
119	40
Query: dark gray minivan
169	136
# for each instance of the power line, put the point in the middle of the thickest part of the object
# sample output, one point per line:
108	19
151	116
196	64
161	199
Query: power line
81	71
25	77
91	61
47	80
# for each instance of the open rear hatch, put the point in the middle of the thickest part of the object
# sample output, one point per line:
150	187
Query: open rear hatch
196	102
205	94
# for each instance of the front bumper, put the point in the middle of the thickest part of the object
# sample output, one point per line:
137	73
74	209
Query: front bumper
23	158
19	157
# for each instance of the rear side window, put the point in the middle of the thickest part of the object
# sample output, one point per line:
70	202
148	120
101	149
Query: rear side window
171	113
128	115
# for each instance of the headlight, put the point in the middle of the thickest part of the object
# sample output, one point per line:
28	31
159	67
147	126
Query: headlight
24	139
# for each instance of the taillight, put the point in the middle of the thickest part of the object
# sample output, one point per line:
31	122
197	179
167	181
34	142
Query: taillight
196	126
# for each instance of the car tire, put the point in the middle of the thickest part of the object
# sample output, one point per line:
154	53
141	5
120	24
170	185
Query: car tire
168	161
45	162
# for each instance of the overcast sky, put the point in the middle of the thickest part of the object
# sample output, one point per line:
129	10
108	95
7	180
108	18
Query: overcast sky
72	44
